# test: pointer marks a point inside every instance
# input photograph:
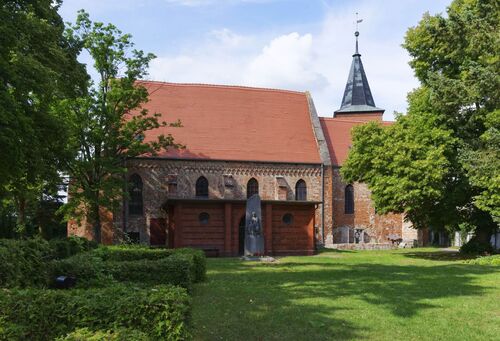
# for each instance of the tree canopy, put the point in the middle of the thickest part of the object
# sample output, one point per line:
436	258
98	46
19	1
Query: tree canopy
108	123
38	67
439	162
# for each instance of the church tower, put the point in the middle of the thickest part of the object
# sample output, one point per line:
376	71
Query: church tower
358	102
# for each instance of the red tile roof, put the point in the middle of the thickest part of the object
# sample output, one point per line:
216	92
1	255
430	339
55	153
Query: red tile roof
338	137
234	122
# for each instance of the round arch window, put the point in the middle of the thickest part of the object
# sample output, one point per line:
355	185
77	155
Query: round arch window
288	219
204	217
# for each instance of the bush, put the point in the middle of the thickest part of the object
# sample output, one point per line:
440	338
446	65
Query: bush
136	252
489	260
163	313
24	262
67	247
174	270
89	270
131	252
92	271
85	334
475	247
199	262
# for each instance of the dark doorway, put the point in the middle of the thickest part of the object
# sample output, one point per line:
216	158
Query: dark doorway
241	236
157	230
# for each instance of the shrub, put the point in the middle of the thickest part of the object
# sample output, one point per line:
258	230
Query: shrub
476	247
120	334
199	262
23	262
489	260
67	247
92	271
88	269
136	252
131	252
174	270
163	312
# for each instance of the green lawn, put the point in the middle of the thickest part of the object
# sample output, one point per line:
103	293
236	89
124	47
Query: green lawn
417	294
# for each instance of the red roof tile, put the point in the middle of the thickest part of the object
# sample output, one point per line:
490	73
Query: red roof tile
234	123
338	137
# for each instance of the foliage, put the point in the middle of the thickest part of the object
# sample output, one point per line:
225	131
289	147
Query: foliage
172	270
24	262
90	270
488	260
429	164
107	124
120	334
409	167
161	312
39	67
67	247
196	257
482	167
476	247
131	252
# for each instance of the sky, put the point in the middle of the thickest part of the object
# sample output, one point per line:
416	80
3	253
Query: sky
302	45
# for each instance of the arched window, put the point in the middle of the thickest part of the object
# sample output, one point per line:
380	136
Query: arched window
202	187
252	187
349	199
301	190
135	195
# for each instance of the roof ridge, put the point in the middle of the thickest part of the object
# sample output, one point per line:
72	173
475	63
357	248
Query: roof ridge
351	121
224	86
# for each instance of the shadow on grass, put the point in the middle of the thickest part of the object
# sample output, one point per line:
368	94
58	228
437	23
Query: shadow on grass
439	255
307	300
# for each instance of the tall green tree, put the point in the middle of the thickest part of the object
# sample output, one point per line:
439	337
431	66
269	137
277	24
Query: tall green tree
107	124
428	164
38	67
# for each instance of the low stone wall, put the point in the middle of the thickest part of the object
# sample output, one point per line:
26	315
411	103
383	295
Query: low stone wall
362	246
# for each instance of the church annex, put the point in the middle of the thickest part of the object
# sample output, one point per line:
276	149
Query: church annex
241	141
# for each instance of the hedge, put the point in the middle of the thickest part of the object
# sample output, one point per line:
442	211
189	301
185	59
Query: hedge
162	312
135	253
91	271
174	270
23	263
67	247
119	334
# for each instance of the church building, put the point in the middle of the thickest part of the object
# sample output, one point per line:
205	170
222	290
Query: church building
240	141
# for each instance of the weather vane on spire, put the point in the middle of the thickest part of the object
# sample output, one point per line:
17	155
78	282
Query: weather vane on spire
357	32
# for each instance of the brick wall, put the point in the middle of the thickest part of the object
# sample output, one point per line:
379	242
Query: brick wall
377	227
176	179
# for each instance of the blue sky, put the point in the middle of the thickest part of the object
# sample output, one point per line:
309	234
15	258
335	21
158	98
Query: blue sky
289	44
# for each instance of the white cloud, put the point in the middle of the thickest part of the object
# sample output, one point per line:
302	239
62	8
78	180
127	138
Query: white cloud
287	61
195	3
317	61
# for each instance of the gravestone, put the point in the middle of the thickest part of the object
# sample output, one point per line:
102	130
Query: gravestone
254	237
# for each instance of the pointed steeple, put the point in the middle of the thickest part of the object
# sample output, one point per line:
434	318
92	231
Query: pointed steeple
357	95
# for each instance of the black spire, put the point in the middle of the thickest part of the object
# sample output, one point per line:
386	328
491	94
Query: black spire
357	95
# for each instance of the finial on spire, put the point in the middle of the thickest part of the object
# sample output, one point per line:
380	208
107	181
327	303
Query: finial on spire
357	32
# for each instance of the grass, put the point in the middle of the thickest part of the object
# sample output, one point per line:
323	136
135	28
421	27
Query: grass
416	294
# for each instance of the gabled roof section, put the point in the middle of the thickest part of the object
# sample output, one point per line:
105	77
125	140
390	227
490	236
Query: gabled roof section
357	95
234	123
338	136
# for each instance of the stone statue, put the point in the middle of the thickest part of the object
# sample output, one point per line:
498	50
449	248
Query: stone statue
254	238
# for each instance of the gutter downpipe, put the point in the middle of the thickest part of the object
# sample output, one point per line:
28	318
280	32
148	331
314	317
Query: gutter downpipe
323	204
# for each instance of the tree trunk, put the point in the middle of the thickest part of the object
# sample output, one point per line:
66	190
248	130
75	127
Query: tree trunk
21	216
96	219
483	235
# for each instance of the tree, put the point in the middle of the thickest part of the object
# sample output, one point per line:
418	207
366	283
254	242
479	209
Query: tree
108	124
427	164
38	67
